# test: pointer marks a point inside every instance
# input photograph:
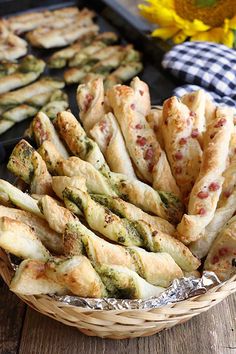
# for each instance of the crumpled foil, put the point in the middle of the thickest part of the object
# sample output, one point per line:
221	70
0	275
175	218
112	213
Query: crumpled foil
180	289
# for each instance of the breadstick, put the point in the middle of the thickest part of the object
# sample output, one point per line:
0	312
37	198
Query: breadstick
200	247
44	130
154	119
196	102
77	141
206	191
156	268
90	99
27	164
131	105
108	136
183	150
221	258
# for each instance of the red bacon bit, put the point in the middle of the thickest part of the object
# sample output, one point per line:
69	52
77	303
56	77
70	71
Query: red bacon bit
214	186
149	154
178	155
141	140
141	92
227	194
215	259
212	135
223	252
132	106
195	133
166	121
155	128
202	211
183	141
102	125
220	123
192	114
150	167
178	170
88	100
203	195
138	126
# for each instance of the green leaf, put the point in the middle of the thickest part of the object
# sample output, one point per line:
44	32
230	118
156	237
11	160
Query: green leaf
205	3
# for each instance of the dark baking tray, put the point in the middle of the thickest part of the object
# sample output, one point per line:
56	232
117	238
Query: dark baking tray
110	17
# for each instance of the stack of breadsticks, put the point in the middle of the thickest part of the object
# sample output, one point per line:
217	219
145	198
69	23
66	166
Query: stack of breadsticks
113	206
24	102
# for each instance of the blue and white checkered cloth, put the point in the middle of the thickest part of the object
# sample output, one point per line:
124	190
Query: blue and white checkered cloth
204	65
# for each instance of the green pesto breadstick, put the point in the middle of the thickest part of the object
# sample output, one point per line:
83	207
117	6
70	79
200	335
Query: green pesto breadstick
5	125
19	96
27	164
28	71
19	113
78	142
124	73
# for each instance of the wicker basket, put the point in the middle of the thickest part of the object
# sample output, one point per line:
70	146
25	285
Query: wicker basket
120	324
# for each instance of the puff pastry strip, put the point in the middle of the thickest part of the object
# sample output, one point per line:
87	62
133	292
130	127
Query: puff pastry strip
201	247
183	150
43	129
221	258
131	105
50	239
27	164
90	99
108	136
77	141
157	268
206	191
142	195
196	102
125	232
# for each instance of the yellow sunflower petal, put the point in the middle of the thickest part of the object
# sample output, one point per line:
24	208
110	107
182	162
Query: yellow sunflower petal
165	33
228	39
158	14
190	28
232	23
180	37
213	35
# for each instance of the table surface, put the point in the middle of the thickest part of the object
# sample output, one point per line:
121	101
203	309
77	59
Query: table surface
24	331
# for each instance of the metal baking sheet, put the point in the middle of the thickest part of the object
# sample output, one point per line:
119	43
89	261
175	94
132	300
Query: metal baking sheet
109	18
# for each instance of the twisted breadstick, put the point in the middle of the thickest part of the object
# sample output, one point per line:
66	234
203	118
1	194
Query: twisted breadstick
78	142
128	233
108	136
221	258
131	105
156	268
206	191
182	148
27	164
90	99
196	102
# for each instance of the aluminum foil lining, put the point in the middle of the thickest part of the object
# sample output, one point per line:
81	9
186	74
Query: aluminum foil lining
180	289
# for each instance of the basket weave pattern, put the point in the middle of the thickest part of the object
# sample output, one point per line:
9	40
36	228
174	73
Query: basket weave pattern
120	324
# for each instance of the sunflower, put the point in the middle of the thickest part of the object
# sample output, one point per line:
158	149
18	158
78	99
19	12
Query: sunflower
197	20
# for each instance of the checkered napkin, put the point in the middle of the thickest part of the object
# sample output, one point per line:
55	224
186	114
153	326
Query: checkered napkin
204	65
